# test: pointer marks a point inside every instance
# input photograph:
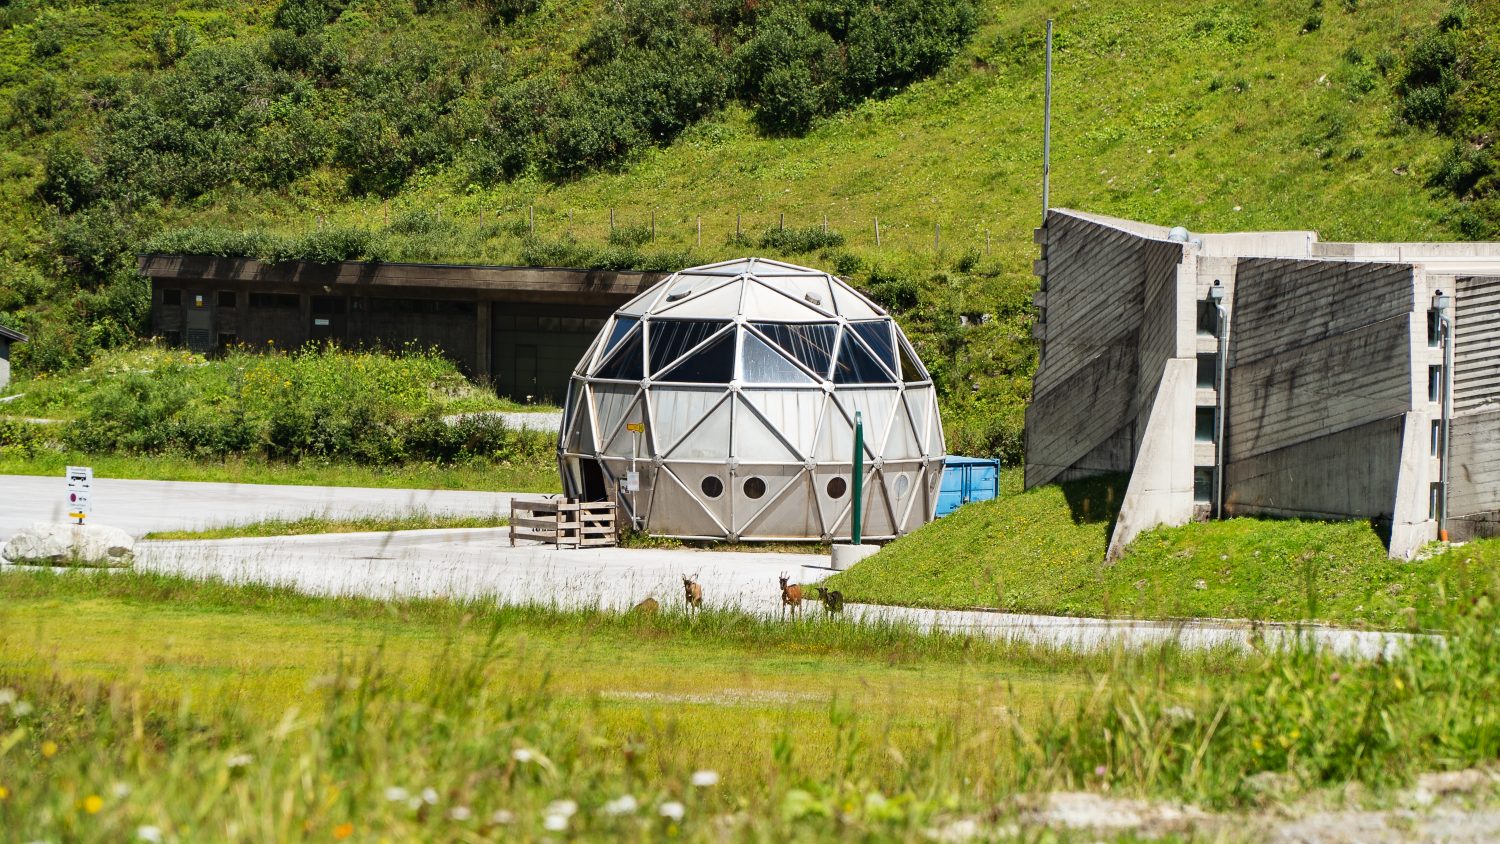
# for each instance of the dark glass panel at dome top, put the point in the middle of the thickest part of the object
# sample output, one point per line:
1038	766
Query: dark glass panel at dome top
809	342
670	338
625	364
617	332
856	365
911	368
712	364
877	335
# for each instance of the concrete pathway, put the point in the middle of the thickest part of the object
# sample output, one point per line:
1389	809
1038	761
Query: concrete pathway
483	564
139	507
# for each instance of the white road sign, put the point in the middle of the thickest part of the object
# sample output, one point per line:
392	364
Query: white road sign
80	486
632	481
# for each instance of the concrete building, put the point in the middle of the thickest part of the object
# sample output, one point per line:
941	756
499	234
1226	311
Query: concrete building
521	328
1269	373
731	391
7	337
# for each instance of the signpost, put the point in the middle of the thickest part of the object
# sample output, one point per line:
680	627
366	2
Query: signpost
633	477
80	486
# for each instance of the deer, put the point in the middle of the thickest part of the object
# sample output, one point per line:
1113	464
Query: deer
791	596
646	607
693	592
832	601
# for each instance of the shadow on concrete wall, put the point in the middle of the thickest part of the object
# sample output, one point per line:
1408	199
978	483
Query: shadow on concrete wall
1095	500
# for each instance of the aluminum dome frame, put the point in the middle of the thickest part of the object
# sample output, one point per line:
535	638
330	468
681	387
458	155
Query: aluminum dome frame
745	376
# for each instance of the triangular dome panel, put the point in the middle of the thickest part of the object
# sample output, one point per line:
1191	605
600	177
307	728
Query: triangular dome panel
755	441
628	443
877	511
793	413
711	363
720	301
709	439
902	441
675	410
702	478
678	510
851	305
611	402
774	485
809	290
835	441
875	408
761	364
764	303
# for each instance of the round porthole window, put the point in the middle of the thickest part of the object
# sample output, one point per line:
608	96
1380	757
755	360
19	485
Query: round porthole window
712	486
754	487
837	487
903	485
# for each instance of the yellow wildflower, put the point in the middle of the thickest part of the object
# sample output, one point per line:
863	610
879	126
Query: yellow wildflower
93	803
1400	685
343	830
4	792
1256	744
49	749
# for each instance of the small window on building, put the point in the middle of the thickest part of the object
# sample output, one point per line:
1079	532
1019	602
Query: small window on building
171	297
1208	371
1434	383
712	486
329	305
1434	328
226	299
1437	437
1203	430
1208	318
1203	485
1434	497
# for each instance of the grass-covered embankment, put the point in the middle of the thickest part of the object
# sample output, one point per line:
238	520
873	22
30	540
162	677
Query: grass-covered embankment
1042	551
449	721
312	416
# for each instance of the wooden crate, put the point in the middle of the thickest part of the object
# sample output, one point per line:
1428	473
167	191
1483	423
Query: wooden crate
564	522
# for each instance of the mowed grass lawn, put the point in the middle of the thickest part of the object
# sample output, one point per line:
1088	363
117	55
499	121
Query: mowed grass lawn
1042	551
716	693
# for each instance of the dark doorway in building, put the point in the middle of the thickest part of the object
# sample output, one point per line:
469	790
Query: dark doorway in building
593	480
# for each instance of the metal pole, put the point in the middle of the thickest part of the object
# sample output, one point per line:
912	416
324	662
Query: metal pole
877	231
859	476
736	225
531	218
1221	389
937	237
1047	132
1447	327
653	223
611	220
782	223
700	230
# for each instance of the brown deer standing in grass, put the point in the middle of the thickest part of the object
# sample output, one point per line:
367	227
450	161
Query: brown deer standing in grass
832	601
693	592
791	596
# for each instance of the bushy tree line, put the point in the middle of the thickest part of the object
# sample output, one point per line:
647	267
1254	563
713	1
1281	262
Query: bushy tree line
317	92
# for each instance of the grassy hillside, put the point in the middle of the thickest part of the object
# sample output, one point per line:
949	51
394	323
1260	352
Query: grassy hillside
1214	115
1042	551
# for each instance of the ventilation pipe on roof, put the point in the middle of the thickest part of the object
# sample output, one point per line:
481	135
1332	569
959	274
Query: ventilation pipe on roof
1178	234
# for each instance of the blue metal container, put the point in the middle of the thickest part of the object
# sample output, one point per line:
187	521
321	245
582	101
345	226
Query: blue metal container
967	479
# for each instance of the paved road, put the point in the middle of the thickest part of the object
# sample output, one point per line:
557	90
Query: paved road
483	564
140	507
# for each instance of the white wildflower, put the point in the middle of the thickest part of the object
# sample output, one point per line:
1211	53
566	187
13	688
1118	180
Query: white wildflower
522	755
148	833
460	813
566	808
239	760
673	810
503	817
20	708
7	696
623	805
395	793
704	779
429	796
555	823
120	790
414	804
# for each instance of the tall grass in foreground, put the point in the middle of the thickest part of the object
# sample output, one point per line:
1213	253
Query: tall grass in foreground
476	752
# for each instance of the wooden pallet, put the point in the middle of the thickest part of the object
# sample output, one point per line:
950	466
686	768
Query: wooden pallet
564	522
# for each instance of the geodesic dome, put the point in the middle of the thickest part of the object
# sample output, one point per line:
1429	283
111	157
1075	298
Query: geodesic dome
732	390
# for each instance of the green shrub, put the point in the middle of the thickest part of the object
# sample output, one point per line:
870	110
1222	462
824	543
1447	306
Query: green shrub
893	291
1461	168
637	235
40	105
790	72
71	179
896	42
798	240
170	44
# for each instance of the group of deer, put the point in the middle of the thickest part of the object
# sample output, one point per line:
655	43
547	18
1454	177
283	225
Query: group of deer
791	597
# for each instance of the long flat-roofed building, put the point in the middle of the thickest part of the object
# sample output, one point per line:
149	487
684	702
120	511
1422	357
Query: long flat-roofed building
1269	373
522	329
